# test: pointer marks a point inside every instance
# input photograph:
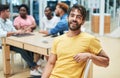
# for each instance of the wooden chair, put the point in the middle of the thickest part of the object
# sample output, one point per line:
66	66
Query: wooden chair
13	55
88	69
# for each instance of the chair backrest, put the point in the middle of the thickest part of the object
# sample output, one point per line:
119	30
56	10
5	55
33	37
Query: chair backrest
0	50
87	69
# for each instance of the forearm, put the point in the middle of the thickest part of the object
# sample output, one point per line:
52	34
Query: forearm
47	71
100	60
33	26
44	32
30	28
17	27
10	33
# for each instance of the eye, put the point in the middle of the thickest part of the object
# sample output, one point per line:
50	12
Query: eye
79	17
72	15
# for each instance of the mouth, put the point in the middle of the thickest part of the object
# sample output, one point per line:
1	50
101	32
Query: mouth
73	23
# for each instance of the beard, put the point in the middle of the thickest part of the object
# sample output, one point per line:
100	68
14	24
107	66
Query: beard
57	15
73	26
7	17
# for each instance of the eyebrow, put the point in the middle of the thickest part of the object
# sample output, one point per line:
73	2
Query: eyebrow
74	13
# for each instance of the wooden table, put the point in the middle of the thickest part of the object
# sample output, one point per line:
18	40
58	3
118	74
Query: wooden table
34	42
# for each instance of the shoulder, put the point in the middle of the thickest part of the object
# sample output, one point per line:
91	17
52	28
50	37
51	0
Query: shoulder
59	38
9	21
54	17
90	37
44	18
17	17
63	21
30	16
87	35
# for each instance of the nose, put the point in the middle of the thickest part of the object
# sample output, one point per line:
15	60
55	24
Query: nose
74	18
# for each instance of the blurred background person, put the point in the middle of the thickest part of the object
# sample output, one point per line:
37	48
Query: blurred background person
7	29
24	21
71	51
49	20
62	25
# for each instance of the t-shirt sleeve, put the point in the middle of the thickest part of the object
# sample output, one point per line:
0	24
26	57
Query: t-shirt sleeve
95	46
32	18
16	22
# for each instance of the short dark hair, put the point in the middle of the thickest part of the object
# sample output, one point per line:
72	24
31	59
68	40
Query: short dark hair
80	8
63	6
25	6
3	7
49	8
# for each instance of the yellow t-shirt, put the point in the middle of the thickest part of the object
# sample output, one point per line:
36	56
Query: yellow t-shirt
66	48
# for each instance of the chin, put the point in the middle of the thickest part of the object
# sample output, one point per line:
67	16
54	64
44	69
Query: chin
57	15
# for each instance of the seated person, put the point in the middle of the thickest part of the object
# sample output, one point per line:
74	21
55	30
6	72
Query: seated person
24	21
70	51
49	21
62	25
7	29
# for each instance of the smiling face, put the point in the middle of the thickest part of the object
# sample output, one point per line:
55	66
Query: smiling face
75	20
48	12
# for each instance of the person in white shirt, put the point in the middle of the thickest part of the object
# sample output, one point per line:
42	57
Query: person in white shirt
49	21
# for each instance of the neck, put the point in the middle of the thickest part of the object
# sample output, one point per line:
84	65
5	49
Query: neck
73	33
24	17
61	14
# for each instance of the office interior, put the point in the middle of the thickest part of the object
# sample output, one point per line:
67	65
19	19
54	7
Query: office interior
103	21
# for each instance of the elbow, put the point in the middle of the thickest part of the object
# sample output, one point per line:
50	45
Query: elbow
34	26
106	64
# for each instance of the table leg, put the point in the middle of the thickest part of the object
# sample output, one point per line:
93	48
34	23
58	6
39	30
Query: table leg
6	58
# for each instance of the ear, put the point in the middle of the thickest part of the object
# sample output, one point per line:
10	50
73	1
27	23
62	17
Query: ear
83	22
67	18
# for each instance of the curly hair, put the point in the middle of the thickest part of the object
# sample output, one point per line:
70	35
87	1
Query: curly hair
63	6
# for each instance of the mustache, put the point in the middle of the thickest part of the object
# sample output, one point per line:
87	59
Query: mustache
73	21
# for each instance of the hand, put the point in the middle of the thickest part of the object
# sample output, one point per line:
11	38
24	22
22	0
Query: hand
81	57
28	29
19	32
27	32
44	32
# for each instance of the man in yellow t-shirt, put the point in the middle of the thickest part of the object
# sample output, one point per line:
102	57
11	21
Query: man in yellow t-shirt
71	50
